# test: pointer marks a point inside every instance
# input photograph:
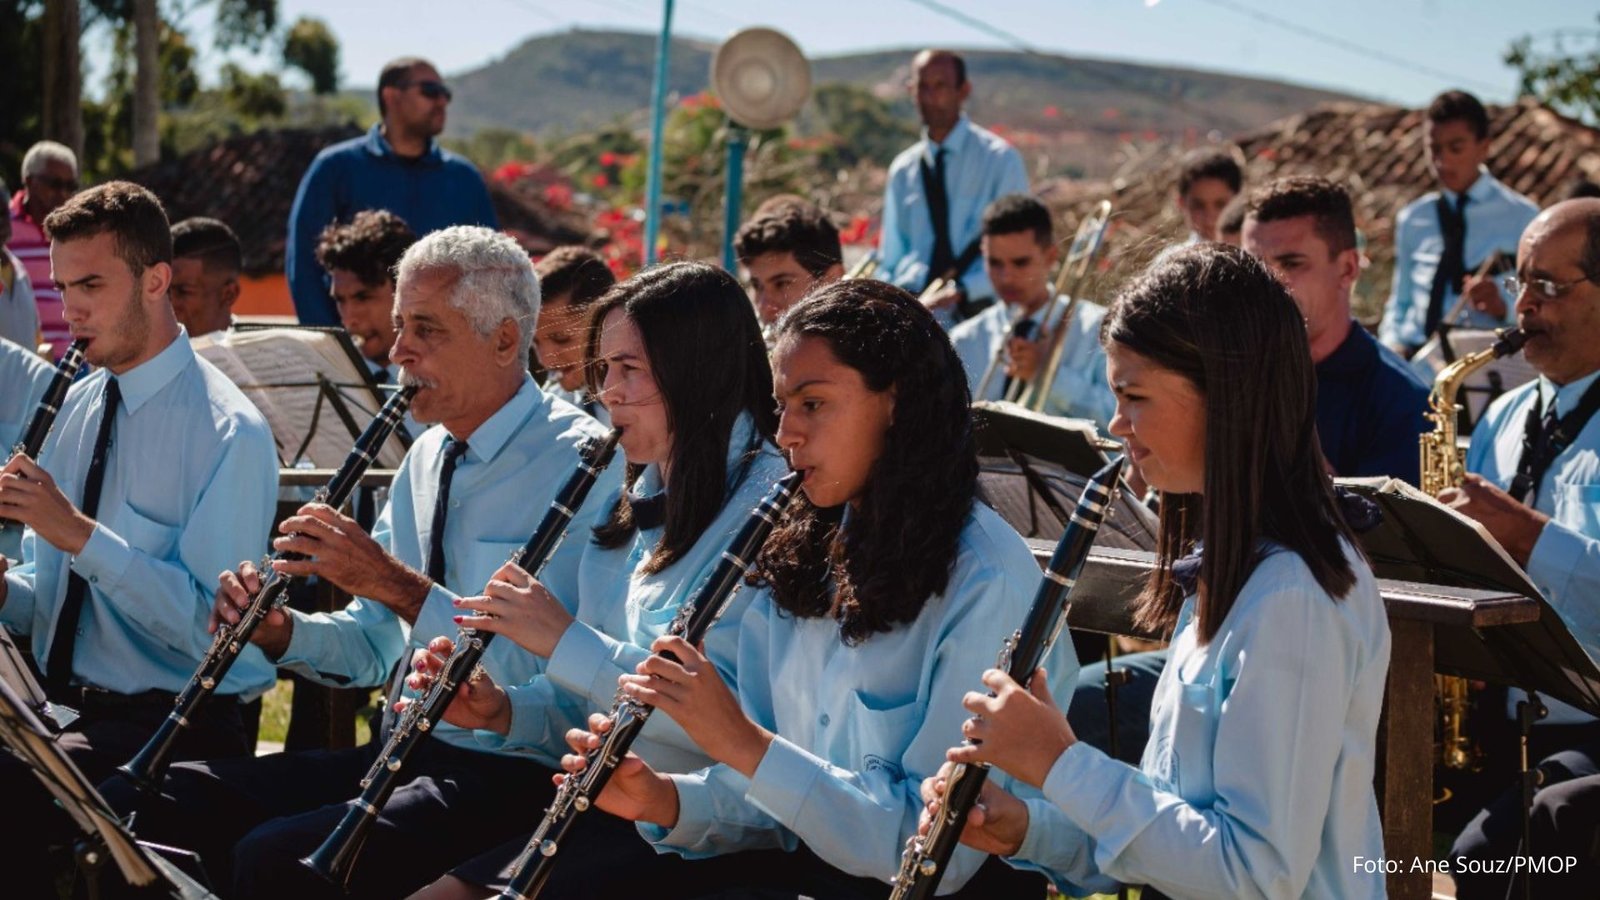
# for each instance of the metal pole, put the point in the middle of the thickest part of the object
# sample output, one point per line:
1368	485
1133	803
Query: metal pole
733	190
658	103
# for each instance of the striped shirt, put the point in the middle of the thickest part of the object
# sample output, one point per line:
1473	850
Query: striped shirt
32	249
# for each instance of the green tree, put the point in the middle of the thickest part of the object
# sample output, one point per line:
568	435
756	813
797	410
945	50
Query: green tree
861	126
311	47
1562	69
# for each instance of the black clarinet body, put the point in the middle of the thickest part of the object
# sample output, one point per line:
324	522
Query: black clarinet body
695	617
44	416
923	864
335	859
148	768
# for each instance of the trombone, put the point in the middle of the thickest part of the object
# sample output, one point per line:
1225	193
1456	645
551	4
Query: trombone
1081	256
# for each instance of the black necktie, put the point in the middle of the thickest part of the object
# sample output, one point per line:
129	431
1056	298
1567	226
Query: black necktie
58	668
1021	329
944	255
1452	262
1547	436
453	452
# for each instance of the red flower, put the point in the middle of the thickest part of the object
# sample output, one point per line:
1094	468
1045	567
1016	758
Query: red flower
601	180
608	159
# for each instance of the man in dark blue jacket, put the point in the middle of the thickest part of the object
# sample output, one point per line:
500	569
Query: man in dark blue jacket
396	166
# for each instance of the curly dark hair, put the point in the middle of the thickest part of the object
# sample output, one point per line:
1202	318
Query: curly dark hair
901	544
705	349
368	246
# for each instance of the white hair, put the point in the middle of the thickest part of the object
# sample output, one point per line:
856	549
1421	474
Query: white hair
43	154
494	277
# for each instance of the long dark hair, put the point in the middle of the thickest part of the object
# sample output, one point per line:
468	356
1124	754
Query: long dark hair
901	544
704	345
1216	316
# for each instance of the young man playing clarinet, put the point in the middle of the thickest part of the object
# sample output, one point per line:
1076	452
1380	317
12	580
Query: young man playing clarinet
470	491
157	475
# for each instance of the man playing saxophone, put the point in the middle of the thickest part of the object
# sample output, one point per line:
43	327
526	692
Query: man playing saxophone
469	492
157	474
1534	482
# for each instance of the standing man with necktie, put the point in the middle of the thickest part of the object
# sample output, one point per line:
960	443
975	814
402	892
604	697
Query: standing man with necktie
158	474
470	492
1442	239
938	188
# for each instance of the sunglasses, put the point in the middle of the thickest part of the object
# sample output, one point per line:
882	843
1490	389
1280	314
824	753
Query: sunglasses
433	90
58	184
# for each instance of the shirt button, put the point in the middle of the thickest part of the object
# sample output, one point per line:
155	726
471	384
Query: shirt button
824	720
455	504
80	632
94	579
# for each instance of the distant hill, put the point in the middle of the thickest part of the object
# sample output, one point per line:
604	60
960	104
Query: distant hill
581	79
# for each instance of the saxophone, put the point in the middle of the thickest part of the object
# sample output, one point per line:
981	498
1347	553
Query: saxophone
1444	466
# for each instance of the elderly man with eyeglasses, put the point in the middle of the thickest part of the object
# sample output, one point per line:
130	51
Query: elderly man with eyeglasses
1535	485
49	179
398	166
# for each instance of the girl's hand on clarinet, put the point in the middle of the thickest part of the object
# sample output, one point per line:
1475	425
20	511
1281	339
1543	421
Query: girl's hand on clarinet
635	791
479	703
997	823
695	696
1019	730
516	605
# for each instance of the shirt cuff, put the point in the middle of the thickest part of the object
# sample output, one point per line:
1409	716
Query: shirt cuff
1077	788
1556	554
437	613
309	647
696	815
104	557
582	663
783	780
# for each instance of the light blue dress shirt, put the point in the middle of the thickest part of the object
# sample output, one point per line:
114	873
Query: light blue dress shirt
979	168
621	610
189	491
858	727
1080	389
1496	216
19	313
1565	563
1257	780
504	484
23	379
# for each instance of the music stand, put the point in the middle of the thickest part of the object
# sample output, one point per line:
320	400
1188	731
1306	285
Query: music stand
1422	540
292	374
104	837
1032	468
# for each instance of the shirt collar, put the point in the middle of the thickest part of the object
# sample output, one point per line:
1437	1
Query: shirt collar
1482	188
1567	395
954	142
19	206
1354	354
379	146
487	440
145	380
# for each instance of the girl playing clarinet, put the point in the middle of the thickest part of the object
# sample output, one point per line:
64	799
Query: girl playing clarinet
1257	781
888	590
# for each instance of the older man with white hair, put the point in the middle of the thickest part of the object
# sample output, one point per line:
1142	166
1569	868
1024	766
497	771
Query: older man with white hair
470	492
49	179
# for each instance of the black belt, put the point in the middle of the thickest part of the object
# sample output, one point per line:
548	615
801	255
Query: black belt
87	696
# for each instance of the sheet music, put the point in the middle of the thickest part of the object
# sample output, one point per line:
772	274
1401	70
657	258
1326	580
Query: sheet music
1513	571
28	739
278	369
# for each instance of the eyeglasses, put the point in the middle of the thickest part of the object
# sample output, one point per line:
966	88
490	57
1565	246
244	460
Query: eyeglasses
1543	288
57	184
433	90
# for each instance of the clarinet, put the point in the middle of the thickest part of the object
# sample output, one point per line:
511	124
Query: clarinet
44	418
924	861
628	717
335	859
148	769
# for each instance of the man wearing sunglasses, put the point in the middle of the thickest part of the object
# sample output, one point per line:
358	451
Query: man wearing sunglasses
398	166
49	179
1535	459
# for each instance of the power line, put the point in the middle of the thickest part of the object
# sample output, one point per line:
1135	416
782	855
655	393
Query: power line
1085	67
1349	46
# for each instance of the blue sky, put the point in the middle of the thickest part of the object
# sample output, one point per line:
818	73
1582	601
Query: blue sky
1408	49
